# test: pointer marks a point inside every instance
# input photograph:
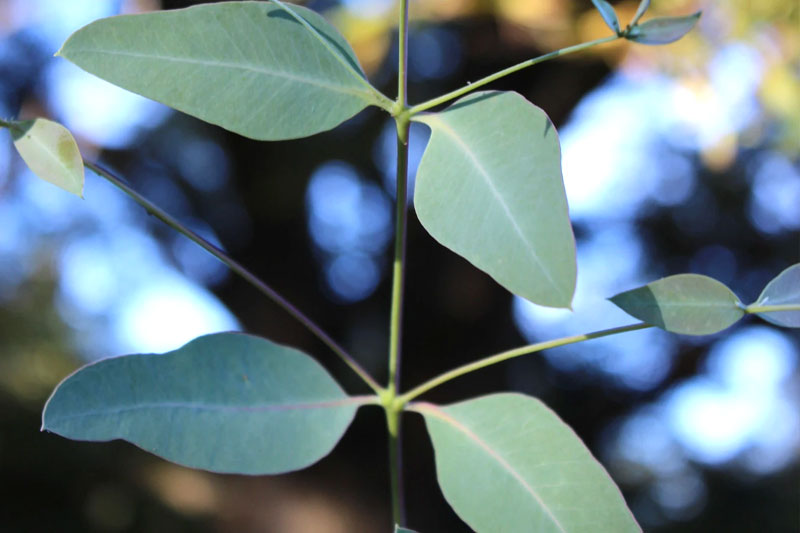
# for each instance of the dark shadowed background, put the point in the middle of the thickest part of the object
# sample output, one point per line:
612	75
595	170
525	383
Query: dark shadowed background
676	159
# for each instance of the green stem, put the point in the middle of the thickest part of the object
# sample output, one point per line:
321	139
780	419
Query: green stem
393	410
510	354
505	72
240	270
4	124
751	309
398	275
395	464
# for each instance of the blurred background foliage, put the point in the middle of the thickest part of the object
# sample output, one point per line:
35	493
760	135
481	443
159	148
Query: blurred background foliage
681	158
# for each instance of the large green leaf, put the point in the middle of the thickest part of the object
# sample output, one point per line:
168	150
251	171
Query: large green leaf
783	290
686	303
250	67
226	402
51	153
489	187
507	463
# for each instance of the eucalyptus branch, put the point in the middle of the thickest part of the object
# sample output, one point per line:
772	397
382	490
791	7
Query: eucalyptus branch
752	309
510	354
398	274
248	276
505	72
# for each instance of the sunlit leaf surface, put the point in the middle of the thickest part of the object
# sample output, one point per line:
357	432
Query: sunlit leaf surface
249	67
51	153
686	303
489	187
506	462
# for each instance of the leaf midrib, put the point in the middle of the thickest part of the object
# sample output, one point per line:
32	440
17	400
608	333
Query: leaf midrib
364	95
322	404
440	414
441	125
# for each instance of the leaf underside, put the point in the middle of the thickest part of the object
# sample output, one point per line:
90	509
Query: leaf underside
225	402
689	304
489	187
505	462
249	67
784	289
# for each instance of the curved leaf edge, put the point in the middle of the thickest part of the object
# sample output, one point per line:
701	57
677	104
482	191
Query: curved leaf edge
357	401
427	117
737	302
435	409
67	148
371	97
775	317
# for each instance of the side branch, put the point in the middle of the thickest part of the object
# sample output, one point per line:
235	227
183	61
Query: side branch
752	309
248	276
510	354
505	72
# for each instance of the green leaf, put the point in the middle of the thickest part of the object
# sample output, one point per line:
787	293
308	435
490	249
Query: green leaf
783	290
686	303
51	153
489	187
505	462
226	402
644	5
249	67
608	14
663	30
398	529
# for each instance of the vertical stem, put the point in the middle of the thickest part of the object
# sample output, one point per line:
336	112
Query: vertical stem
402	56
395	466
399	256
393	410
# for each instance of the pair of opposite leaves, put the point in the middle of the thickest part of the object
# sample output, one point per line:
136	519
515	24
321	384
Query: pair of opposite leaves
489	185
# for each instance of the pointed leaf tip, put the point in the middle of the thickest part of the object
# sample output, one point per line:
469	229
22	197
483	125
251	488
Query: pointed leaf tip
287	82
608	14
489	188
688	304
50	151
663	30
784	289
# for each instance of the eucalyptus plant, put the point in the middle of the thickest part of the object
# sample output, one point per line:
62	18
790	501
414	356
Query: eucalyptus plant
489	187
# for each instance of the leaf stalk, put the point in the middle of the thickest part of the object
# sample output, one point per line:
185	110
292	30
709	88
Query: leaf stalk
510	354
752	309
505	72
